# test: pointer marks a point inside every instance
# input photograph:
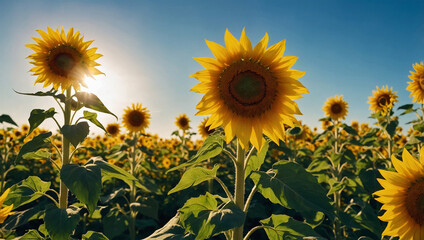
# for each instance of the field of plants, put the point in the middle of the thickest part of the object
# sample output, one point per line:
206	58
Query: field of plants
256	173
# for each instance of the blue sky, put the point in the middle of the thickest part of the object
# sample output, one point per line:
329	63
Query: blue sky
345	47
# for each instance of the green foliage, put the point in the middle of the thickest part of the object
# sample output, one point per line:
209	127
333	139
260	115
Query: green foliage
60	223
7	119
193	177
75	133
92	117
256	161
32	235
36	143
90	100
26	191
38	116
90	235
171	231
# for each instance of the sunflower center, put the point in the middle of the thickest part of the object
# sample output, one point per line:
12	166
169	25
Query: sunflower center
112	130
336	108
183	122
247	88
415	201
63	59
383	100
135	118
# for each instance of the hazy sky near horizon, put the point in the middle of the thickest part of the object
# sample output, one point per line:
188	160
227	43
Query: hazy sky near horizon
345	47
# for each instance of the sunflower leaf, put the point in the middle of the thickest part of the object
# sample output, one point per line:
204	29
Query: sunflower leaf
76	133
38	116
256	161
36	143
90	235
51	93
92	117
7	119
26	191
90	100
194	176
60	223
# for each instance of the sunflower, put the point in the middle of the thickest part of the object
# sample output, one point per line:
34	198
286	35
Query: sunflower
205	130
417	85
335	108
182	122
249	91
5	211
166	162
136	119
382	100
63	60
403	197
113	129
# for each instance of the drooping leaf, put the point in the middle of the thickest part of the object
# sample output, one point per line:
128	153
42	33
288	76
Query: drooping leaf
60	223
38	155
36	143
83	181
92	117
76	133
194	176
202	217
171	231
90	100
90	235
20	218
38	116
256	161
280	227
113	171
31	235
148	207
51	93
7	119
408	108
349	129
26	191
291	186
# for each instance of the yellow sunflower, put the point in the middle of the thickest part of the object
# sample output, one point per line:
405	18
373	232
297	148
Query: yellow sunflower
63	60
417	85
113	129
403	197
249	91
136	118
166	162
5	211
204	129
182	122
382	100
335	107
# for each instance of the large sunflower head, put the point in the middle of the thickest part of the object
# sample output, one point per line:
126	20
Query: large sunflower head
403	197
249	90
417	85
63	60
204	129
335	108
183	122
382	100
136	118
113	129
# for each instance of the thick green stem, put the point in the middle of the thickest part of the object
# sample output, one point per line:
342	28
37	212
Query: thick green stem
133	190
63	200
239	188
336	136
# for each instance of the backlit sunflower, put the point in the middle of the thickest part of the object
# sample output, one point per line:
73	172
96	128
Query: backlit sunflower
335	108
403	197
63	60
382	100
182	122
112	129
136	118
204	129
417	85
249	91
5	211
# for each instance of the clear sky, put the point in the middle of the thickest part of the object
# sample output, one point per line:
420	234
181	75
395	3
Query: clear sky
345	47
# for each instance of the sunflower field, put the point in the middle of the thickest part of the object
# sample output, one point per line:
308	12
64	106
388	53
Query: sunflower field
253	171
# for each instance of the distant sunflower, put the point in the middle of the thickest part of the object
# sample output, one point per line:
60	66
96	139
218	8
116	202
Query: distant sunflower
166	162
63	60
136	119
335	107
417	85
382	100
5	211
403	197
113	129
182	122
204	129
249	91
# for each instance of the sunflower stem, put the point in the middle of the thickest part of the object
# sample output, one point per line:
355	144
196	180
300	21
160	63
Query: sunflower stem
239	188
133	190
63	200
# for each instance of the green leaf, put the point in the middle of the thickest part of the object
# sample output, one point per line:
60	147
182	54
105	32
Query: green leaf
202	216
40	141
285	227
51	93
114	223
113	171
60	223
335	186
194	176
419	126
90	100
38	116
7	119
256	161
293	187
148	207
349	129
38	155
26	191
171	231
21	218
92	117
31	235
408	109
90	235
76	133
391	127
211	147
294	131
83	181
